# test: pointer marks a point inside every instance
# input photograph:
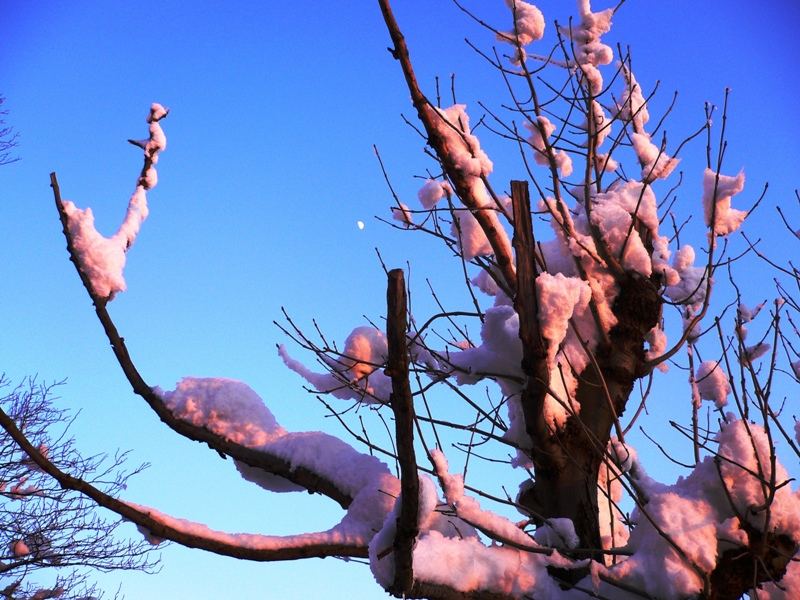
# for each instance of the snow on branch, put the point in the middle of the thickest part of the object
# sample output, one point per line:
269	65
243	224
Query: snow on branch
541	130
732	502
589	51
496	527
348	538
718	190
575	325
262	450
233	412
100	259
353	374
459	153
528	24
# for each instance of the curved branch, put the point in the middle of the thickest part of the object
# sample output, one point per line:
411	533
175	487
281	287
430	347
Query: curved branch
436	139
304	477
334	542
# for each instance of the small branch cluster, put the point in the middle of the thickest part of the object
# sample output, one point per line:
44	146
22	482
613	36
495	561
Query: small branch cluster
52	538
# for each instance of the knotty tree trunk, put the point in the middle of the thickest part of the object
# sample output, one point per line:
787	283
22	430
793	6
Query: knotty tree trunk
567	462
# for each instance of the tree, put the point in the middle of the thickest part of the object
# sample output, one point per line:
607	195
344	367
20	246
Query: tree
8	137
45	529
578	322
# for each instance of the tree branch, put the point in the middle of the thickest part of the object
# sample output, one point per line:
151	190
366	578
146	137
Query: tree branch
428	116
403	407
251	547
306	478
534	349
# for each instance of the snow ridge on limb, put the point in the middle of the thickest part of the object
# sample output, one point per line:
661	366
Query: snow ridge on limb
355	374
442	134
724	508
528	24
102	259
529	27
450	560
718	190
346	539
541	130
468	509
233	412
589	51
263	459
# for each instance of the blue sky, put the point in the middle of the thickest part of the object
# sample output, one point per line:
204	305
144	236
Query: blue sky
275	107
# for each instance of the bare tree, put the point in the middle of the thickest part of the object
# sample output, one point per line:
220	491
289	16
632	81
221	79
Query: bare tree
51	539
8	137
576	323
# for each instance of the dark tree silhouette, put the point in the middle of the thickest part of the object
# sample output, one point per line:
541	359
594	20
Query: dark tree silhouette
52	539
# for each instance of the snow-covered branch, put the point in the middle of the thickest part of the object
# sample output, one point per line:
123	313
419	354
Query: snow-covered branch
349	538
101	260
459	153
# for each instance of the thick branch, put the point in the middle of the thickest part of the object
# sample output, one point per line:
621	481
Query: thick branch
534	349
427	115
313	482
403	407
250	547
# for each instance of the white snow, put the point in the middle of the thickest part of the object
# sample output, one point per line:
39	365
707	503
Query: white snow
463	150
432	191
590	52
656	163
500	351
657	341
718	190
614	532
747	314
700	517
403	214
461	145
356	374
102	259
232	410
470	235
690	289
485	283
469	509
601	126
229	408
712	383
557	533
340	534
632	105
541	130
559	298
528	24
754	352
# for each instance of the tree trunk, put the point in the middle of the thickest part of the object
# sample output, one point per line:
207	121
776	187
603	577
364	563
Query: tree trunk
566	466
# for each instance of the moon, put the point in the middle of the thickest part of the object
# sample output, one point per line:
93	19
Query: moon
360	224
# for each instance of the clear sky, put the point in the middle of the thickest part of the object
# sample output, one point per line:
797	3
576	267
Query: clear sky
275	107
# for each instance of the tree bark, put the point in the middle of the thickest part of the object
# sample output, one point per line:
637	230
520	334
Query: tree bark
403	408
569	488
